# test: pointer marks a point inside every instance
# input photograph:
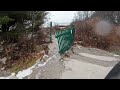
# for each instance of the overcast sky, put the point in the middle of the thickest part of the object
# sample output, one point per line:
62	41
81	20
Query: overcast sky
61	17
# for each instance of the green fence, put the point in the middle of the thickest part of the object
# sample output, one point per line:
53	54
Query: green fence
65	39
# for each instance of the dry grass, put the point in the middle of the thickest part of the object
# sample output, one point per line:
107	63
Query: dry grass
85	32
24	53
24	64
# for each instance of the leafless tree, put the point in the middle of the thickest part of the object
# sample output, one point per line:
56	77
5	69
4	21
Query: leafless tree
81	15
112	16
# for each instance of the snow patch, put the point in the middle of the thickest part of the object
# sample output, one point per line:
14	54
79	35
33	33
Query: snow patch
45	56
41	65
115	55
104	58
24	73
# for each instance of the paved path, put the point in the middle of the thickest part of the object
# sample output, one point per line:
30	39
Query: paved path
88	63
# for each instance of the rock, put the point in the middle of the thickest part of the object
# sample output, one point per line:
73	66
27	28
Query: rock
3	60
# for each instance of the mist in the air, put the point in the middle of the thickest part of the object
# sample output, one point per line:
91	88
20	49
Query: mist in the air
103	28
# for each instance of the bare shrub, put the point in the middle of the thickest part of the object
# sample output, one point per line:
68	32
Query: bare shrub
85	32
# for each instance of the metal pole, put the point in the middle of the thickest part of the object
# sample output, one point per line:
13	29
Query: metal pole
50	32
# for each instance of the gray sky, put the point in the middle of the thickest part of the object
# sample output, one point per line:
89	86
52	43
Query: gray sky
61	17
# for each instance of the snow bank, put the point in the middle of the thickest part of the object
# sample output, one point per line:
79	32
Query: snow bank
24	73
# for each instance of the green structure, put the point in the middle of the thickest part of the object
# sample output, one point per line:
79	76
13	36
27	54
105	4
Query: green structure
65	39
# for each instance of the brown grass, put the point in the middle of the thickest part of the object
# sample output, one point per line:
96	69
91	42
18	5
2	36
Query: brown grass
25	52
23	63
85	32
